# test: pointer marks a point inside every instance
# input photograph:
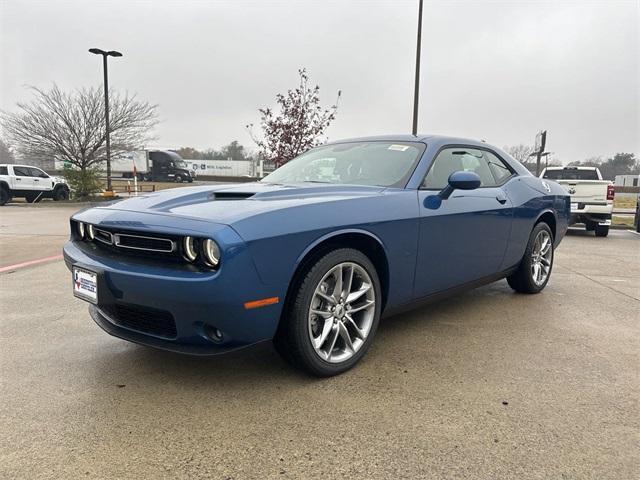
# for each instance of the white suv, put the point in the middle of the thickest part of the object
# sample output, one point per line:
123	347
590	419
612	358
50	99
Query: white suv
31	183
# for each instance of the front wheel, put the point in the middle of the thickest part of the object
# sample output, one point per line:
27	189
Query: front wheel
60	194
534	270
179	179
5	197
333	314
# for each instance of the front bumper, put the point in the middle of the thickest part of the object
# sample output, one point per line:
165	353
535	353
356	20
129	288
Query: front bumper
197	302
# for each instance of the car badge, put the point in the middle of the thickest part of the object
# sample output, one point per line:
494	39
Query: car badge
572	191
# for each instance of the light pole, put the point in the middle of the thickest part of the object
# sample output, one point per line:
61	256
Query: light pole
111	53
416	91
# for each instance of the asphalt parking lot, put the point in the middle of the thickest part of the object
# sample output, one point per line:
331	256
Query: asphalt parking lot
489	384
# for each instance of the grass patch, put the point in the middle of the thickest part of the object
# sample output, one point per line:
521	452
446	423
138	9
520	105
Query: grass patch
622	220
624	202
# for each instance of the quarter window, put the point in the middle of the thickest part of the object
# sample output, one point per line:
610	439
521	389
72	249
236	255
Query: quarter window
491	170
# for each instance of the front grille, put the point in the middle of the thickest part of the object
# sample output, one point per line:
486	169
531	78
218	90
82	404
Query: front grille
143	319
103	236
139	242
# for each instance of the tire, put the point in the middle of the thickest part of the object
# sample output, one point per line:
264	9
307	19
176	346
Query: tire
602	230
33	197
60	194
528	279
179	178
299	328
5	196
589	226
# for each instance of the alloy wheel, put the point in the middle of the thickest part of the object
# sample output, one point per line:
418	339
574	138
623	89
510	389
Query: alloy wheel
341	313
541	257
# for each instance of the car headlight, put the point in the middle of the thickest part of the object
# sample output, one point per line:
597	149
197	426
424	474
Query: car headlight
81	230
90	232
211	252
189	248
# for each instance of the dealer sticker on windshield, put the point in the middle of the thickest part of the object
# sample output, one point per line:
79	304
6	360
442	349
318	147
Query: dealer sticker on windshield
85	284
398	148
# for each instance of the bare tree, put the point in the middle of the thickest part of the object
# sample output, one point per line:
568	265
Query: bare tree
70	126
6	155
298	126
520	152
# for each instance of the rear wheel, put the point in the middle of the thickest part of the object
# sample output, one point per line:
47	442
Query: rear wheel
602	230
534	270
333	316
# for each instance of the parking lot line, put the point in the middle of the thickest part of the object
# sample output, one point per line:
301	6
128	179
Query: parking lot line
17	266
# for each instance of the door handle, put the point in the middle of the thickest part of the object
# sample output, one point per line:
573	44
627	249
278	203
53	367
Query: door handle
18	179
501	198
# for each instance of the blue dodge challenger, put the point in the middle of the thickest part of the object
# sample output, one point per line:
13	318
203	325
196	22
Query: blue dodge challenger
315	253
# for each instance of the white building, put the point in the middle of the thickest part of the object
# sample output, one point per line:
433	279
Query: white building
627	180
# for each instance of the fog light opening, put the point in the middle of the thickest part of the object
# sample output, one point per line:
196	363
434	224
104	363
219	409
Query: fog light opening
213	333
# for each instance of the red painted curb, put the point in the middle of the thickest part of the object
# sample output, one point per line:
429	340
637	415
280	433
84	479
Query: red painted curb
28	263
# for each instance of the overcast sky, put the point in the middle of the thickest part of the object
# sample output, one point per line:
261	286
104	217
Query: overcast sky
496	70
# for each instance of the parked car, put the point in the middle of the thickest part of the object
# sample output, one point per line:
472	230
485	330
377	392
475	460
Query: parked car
315	253
30	183
591	196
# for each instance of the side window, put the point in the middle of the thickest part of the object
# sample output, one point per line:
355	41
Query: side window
3	171
491	170
21	171
36	172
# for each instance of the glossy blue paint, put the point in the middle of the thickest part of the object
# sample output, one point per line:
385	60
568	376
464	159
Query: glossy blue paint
428	246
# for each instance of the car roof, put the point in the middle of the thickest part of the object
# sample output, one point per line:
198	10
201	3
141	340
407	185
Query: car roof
424	138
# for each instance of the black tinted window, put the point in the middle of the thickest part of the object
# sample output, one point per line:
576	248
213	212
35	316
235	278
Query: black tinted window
571	174
491	170
3	171
21	171
36	172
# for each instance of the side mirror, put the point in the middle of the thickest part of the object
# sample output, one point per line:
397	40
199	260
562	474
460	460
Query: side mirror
460	180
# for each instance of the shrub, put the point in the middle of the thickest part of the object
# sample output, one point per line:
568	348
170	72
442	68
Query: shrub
83	183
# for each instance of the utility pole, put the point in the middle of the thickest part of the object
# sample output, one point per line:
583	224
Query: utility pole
111	53
416	91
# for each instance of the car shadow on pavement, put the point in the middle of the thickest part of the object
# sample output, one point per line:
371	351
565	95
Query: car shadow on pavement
261	365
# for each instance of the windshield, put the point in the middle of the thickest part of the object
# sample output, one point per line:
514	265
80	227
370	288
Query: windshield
182	164
386	164
571	174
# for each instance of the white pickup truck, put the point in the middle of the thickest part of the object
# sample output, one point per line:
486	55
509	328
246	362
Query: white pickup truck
591	196
30	183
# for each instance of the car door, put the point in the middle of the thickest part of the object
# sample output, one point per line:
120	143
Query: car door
462	238
23	178
41	181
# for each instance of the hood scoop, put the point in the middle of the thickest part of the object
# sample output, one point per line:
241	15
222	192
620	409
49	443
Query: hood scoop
230	195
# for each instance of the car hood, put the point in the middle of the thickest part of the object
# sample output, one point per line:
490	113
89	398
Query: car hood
230	203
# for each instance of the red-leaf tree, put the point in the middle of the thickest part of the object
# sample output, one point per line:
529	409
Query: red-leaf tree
298	126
